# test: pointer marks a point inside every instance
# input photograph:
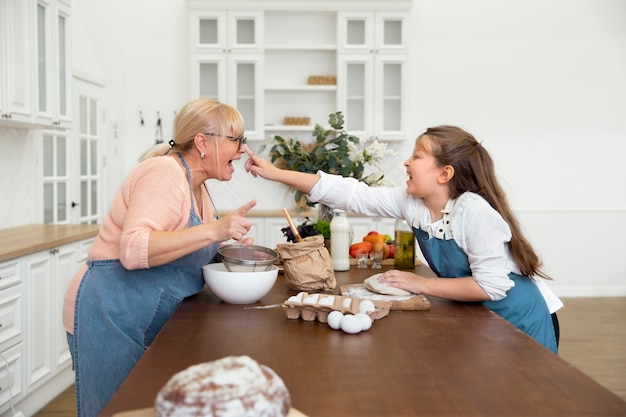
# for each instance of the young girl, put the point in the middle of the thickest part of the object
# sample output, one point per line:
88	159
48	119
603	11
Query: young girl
463	224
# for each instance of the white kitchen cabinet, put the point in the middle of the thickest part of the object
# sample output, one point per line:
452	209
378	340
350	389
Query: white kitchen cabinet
32	336
16	62
38	278
299	46
35	70
227	62
11	333
53	69
373	64
11	384
297	43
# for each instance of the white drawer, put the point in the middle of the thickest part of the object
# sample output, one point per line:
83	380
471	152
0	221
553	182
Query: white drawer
11	378
11	317
10	273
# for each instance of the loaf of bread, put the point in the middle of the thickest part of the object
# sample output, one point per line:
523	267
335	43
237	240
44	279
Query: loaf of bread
234	386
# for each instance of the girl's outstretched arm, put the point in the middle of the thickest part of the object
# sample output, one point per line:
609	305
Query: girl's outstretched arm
258	166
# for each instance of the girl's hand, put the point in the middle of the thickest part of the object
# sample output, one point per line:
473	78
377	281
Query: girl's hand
256	165
403	279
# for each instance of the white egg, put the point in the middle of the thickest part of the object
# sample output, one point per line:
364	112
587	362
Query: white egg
350	324
334	319
366	306
365	320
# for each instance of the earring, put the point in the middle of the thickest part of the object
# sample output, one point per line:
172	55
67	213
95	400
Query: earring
201	154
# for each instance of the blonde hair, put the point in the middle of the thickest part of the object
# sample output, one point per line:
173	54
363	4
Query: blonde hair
474	171
200	116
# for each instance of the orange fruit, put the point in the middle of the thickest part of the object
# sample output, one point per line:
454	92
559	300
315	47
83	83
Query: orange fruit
363	246
374	238
381	246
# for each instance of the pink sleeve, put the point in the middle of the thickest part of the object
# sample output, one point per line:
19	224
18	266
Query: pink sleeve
157	197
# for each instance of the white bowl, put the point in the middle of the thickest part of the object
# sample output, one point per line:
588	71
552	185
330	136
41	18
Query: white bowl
238	287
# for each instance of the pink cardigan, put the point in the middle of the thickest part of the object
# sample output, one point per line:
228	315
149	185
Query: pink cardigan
154	196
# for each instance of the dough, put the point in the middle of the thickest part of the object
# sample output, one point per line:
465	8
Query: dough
374	285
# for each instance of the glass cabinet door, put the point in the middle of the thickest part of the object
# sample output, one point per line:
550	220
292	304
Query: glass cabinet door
226	62
89	169
372	95
390	71
209	74
210	31
53	69
356	31
371	31
356	93
16	66
390	32
226	31
373	67
55	178
246	91
233	79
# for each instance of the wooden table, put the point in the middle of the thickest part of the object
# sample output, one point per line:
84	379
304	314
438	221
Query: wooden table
453	360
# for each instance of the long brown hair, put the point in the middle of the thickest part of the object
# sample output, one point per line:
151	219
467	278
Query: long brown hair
474	171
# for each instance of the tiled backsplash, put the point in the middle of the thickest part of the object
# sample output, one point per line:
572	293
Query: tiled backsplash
17	177
19	181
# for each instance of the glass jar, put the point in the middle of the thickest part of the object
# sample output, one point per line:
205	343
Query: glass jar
404	246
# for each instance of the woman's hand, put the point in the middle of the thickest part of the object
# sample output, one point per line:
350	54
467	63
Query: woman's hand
235	225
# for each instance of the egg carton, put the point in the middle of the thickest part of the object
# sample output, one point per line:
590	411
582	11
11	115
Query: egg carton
317	306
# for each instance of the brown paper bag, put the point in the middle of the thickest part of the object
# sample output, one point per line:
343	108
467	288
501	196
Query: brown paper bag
308	266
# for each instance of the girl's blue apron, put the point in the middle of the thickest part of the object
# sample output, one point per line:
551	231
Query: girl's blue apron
119	312
523	306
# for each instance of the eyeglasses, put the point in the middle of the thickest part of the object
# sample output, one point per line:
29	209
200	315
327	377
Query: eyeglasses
241	140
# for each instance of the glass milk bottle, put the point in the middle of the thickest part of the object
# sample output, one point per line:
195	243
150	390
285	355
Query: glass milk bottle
404	246
340	241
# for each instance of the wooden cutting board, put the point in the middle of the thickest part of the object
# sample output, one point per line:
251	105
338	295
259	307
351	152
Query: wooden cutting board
398	302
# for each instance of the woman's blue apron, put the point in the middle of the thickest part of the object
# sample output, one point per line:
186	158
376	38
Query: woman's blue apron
119	312
523	306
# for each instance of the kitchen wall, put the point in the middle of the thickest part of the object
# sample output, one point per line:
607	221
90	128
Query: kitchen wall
541	83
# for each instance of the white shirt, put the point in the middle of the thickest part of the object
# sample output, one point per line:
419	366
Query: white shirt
478	229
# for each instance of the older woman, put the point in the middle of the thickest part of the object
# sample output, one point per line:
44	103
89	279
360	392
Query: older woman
161	229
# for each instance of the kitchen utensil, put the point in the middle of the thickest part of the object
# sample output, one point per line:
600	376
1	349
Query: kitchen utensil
292	226
239	258
239	287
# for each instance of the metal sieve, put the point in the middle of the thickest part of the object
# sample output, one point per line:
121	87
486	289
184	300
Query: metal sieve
238	258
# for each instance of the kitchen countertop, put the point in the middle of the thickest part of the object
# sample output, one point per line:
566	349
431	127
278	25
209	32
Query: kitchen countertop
24	240
456	359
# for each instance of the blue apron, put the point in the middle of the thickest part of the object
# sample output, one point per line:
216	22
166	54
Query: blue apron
523	306
119	312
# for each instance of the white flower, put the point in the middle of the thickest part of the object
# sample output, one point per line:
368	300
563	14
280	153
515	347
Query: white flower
354	152
377	151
